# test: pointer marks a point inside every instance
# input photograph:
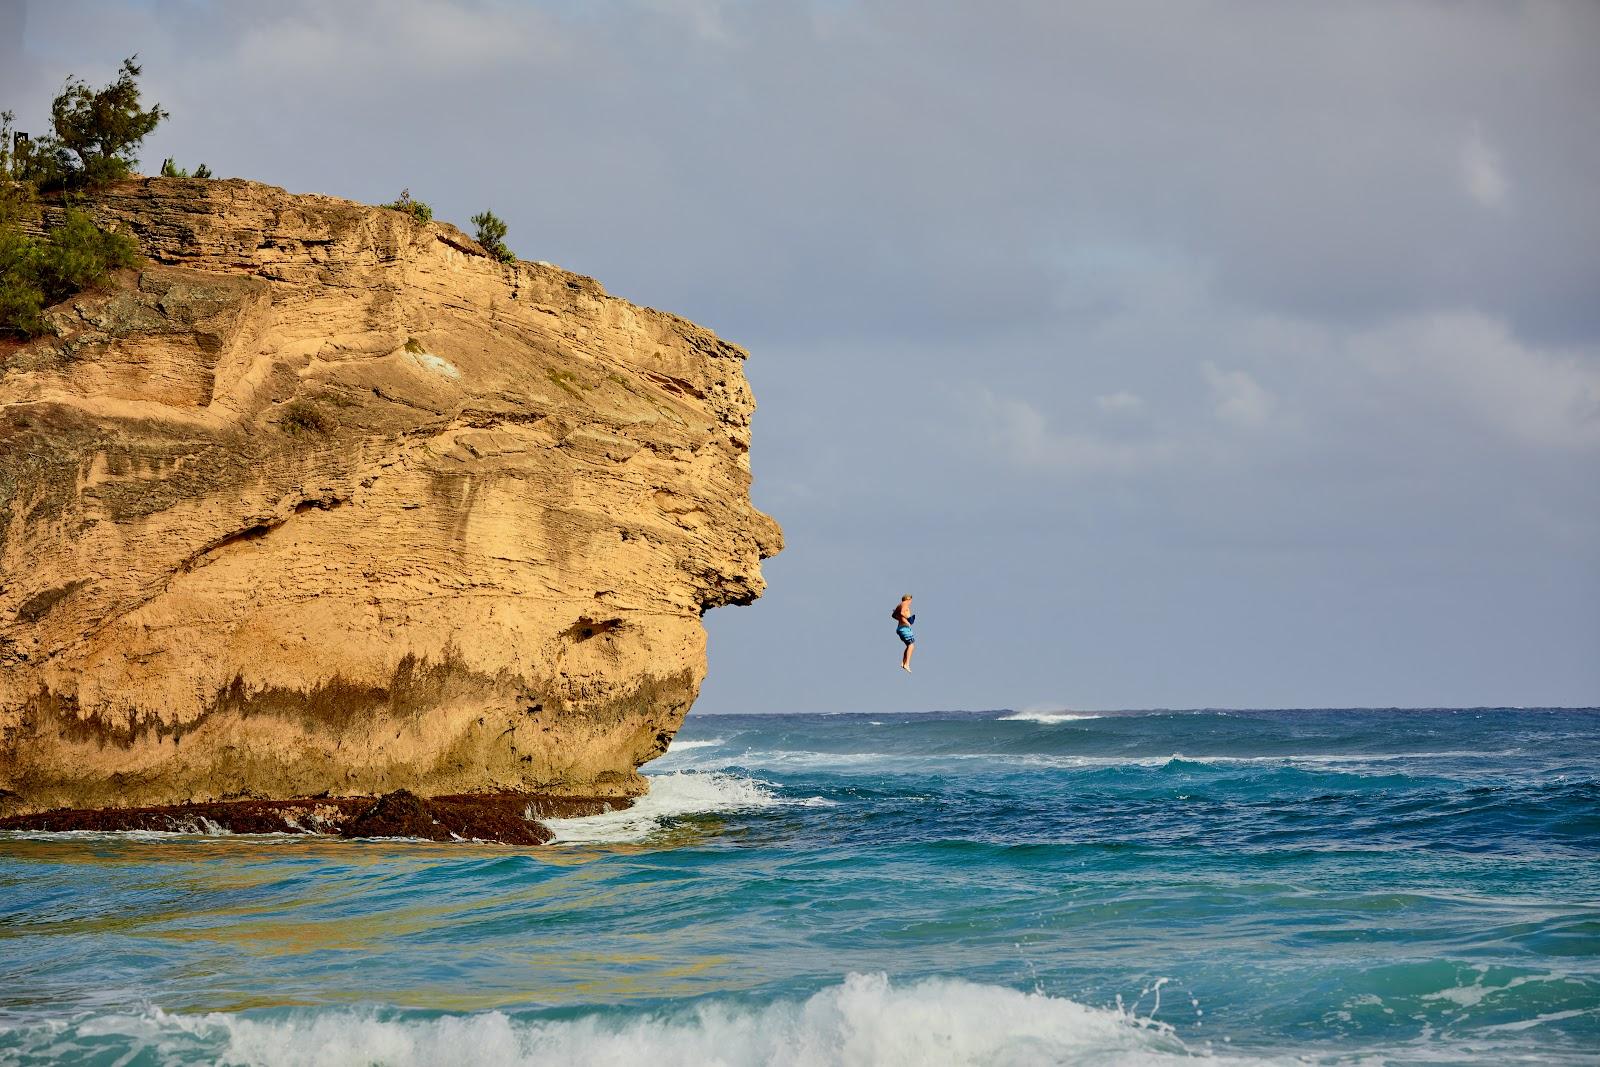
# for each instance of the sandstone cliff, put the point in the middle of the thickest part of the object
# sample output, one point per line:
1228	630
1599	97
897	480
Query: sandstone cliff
327	501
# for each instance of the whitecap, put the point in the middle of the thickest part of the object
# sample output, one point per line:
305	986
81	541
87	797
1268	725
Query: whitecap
1360	763
673	795
864	1020
1336	759
1048	717
679	745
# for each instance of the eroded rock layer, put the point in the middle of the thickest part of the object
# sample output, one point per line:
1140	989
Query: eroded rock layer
327	501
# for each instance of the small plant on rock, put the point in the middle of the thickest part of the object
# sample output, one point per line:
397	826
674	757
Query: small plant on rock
78	254
35	274
492	236
415	208
21	299
40	163
564	381
170	170
307	416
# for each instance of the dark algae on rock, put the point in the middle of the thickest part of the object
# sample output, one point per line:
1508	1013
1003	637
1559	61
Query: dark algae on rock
504	818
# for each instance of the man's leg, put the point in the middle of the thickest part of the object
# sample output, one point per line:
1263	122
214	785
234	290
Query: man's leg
905	659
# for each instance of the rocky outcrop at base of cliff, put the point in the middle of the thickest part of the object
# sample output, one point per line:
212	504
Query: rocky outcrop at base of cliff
327	501
501	818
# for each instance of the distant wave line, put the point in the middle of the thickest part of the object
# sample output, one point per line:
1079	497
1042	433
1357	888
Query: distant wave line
802	758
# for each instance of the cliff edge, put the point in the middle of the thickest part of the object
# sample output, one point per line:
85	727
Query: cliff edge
327	501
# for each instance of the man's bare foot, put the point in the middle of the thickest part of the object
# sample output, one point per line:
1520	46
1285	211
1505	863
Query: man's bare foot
906	667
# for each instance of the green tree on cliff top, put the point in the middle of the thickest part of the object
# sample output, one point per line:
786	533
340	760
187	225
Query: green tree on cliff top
104	128
492	236
97	133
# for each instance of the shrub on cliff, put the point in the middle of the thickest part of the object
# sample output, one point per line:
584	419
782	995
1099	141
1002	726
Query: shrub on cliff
21	299
35	274
96	135
40	163
307	416
103	128
171	170
415	208
78	254
492	236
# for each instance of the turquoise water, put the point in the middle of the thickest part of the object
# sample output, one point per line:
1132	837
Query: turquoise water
1336	887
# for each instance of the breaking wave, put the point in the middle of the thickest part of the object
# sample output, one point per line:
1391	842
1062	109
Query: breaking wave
680	745
866	1020
1048	718
672	796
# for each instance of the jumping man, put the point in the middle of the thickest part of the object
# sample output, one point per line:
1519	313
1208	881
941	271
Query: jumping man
903	620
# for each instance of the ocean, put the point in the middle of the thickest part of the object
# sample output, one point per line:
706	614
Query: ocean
1330	887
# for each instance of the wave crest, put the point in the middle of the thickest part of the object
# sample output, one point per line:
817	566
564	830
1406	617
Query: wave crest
1048	718
680	745
672	796
866	1020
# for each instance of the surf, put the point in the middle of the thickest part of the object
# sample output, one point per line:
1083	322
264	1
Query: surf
866	1020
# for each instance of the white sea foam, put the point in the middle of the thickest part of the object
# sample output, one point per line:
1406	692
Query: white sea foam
1361	763
790	759
672	795
1334	759
1048	717
863	1022
1537	1020
1285	759
679	745
1352	761
197	826
1468	996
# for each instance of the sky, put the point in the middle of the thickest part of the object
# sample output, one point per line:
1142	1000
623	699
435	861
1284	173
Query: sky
1195	354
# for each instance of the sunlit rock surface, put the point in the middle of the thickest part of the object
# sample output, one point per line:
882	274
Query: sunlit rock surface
323	500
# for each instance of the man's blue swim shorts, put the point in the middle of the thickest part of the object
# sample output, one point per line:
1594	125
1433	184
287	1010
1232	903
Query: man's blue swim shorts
905	634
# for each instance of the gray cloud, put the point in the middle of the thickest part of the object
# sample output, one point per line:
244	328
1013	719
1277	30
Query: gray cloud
1176	354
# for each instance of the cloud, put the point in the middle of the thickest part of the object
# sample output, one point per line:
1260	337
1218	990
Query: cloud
1471	365
1482	174
1023	435
1120	402
1245	275
430	42
1435	397
707	18
1237	397
902	169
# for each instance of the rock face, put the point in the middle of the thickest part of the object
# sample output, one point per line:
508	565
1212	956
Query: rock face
326	501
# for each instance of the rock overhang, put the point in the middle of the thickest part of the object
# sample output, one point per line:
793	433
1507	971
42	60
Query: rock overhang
317	500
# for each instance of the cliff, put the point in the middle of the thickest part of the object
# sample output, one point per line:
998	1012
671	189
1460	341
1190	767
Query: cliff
326	501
